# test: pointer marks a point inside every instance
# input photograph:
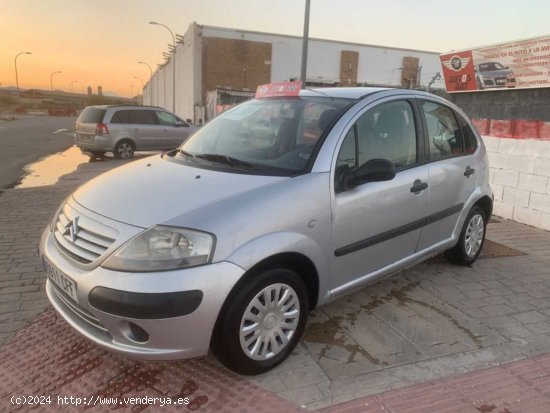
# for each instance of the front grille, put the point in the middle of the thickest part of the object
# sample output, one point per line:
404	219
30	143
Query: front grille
77	310
81	238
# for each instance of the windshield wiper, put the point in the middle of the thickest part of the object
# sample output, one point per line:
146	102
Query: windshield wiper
188	154
227	160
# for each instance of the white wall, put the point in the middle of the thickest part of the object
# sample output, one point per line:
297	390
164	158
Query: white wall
520	178
377	64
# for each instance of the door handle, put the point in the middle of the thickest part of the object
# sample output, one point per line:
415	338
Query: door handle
418	186
469	171
136	129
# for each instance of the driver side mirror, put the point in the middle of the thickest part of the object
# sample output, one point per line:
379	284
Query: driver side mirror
374	170
180	124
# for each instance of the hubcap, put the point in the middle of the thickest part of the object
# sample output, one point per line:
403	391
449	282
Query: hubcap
269	322
474	235
125	150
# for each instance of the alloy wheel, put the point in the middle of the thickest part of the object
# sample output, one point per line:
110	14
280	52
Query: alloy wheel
474	235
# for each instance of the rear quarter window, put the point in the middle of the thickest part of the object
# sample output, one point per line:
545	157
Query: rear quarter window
470	140
91	115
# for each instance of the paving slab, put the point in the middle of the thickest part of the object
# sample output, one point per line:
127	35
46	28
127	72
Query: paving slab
424	325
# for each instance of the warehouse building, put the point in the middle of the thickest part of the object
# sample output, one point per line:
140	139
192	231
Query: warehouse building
218	67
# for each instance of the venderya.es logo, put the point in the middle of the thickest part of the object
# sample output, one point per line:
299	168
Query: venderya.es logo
456	63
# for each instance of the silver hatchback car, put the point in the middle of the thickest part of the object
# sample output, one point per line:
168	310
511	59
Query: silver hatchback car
123	130
277	206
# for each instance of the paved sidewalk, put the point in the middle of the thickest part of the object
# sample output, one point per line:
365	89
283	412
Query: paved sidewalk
427	324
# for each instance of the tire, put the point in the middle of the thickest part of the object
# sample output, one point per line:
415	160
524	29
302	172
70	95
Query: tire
124	149
471	240
234	341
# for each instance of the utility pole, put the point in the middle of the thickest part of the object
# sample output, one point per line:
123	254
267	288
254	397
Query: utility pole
305	40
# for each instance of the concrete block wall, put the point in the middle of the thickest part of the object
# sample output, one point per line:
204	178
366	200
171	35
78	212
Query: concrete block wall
520	178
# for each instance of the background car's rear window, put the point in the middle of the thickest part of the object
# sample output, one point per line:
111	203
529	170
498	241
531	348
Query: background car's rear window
91	115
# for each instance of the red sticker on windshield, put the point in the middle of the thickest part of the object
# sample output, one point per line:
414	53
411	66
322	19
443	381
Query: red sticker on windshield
279	89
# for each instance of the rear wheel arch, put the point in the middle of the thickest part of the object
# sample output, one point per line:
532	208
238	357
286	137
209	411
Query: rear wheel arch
486	203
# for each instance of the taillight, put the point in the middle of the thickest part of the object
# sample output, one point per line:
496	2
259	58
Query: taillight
101	129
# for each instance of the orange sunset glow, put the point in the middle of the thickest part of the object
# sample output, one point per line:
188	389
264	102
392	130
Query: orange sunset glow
99	42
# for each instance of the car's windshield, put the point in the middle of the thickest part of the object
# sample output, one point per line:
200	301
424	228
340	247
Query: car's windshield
274	136
488	67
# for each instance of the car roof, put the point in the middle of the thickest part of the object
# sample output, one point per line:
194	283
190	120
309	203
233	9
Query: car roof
124	107
342	92
358	93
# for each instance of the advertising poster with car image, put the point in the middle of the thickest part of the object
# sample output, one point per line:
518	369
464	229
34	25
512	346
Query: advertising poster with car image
522	64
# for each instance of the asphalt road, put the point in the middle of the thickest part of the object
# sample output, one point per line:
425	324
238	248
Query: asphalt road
28	139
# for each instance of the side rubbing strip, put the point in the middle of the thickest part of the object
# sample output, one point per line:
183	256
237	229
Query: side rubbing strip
396	232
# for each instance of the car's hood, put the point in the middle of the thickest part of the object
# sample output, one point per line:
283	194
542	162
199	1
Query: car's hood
153	190
496	73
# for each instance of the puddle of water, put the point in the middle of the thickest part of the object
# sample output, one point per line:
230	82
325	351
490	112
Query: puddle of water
47	171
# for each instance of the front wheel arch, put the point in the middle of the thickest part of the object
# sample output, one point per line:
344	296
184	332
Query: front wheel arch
226	342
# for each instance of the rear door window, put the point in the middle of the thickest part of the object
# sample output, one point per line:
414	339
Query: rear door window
445	137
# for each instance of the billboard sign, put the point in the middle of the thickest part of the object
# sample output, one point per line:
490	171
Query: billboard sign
521	64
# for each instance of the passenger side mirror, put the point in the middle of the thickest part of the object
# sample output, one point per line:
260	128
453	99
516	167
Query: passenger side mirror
374	170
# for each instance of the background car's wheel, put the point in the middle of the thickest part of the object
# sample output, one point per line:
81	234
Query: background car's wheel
471	239
124	149
261	321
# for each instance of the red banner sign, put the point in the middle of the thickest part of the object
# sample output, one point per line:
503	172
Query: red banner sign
279	89
521	64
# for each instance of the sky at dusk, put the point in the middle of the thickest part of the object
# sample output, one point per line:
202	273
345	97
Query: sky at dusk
99	42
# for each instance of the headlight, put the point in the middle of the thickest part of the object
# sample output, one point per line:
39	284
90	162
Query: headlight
163	248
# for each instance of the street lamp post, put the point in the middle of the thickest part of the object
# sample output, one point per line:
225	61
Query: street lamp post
150	79
71	89
71	86
16	76
173	65
141	81
305	40
142	87
137	91
51	78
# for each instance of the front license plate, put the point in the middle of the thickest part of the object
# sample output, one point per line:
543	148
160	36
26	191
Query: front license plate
66	285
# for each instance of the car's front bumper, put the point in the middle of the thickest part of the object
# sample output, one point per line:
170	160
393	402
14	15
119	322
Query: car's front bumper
174	337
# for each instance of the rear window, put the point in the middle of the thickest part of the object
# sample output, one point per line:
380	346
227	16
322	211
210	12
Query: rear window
91	115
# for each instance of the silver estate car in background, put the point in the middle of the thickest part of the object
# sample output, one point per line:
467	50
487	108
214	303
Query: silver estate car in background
123	130
276	206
